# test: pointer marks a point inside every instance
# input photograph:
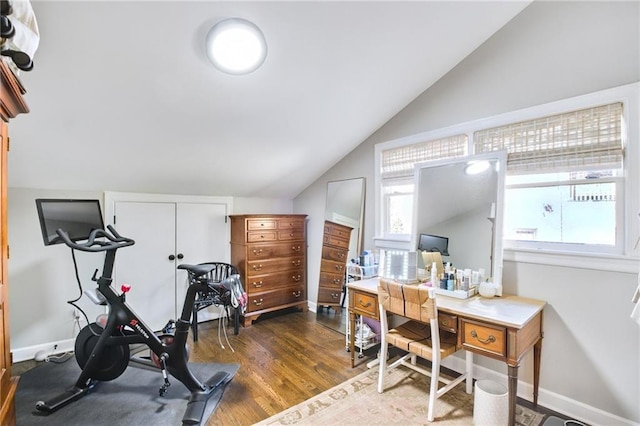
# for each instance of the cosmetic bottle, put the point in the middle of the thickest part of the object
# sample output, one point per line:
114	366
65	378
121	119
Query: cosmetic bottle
434	275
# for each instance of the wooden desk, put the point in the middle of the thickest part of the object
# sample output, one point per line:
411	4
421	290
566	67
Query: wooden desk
503	328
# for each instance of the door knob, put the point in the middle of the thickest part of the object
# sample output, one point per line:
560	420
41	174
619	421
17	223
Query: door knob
172	257
180	256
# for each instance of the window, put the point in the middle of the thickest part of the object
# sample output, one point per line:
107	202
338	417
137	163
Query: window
563	184
396	174
572	179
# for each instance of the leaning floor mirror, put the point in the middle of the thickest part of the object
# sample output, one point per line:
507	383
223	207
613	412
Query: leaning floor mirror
459	203
344	214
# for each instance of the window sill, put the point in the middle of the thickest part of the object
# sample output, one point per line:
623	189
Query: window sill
604	262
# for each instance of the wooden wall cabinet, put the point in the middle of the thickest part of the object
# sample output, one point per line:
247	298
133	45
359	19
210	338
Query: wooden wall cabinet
11	104
270	252
335	249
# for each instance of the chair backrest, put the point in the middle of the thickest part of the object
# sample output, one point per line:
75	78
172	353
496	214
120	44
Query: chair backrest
221	271
413	301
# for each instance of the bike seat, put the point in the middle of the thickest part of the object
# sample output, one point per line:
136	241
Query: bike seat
197	270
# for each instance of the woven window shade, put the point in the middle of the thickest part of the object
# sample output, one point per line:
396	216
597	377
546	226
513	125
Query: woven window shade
579	140
399	162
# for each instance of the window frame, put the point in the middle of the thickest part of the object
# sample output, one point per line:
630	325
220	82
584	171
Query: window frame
626	257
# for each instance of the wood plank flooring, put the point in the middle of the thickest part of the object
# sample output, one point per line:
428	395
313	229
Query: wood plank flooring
285	358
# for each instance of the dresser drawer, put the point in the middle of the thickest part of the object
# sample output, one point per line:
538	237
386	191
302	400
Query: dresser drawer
340	232
268	251
334	254
260	224
260	283
268	266
364	303
484	337
280	298
291	234
448	322
337	242
330	280
332	267
291	224
330	296
258	236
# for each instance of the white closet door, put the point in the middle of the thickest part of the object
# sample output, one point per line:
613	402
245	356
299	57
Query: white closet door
146	265
202	236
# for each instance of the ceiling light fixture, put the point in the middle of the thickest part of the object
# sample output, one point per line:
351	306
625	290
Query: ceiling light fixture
476	167
236	46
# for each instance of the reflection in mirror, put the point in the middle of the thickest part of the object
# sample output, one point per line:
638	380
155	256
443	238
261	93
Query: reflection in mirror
345	206
465	208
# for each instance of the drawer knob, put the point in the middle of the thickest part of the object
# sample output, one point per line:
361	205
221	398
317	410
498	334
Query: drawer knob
258	284
337	281
295	248
444	322
258	302
341	255
335	295
297	293
489	339
296	262
259	251
339	267
296	277
257	267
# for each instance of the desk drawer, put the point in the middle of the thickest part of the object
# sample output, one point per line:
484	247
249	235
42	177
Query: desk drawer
448	322
364	303
484	337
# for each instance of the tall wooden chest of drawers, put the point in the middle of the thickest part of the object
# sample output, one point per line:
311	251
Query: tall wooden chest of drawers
270	252
335	248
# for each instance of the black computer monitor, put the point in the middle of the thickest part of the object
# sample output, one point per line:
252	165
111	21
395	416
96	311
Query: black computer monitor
76	217
428	242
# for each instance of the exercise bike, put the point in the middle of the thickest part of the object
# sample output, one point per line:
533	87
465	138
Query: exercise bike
103	349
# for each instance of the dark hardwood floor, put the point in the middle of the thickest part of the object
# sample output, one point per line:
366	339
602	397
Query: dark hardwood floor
285	358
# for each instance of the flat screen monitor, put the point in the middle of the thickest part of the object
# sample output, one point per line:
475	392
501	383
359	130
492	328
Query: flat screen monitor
76	217
429	242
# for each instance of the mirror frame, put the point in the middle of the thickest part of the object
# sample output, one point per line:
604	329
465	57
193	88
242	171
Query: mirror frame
328	209
500	158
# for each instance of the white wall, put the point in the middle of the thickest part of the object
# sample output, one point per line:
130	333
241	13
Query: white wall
551	51
42	279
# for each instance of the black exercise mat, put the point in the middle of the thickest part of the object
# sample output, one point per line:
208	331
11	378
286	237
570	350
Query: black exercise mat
131	399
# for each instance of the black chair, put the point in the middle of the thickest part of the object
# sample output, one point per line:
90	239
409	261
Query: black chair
219	293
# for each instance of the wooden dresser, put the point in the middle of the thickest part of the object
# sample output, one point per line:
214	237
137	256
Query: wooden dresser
270	252
11	104
335	248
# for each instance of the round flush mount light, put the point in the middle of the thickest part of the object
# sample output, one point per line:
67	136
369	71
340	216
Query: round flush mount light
236	46
476	167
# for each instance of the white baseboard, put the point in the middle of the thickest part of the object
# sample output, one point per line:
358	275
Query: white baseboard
553	401
29	352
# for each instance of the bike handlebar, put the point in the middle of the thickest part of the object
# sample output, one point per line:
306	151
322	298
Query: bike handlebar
116	240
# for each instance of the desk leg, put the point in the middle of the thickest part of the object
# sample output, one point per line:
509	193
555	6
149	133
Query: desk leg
352	330
513	393
537	350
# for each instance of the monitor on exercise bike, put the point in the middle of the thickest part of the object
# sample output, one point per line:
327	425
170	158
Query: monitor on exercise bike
76	217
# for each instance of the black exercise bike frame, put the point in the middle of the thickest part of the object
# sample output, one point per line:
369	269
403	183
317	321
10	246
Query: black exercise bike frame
172	354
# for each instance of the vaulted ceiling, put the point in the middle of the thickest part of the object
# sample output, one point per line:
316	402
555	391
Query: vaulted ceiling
123	98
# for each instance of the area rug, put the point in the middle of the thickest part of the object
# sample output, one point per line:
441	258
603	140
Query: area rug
131	399
404	401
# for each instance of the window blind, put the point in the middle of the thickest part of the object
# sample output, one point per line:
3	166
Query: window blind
399	162
579	140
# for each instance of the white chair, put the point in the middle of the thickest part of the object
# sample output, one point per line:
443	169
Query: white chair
419	337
